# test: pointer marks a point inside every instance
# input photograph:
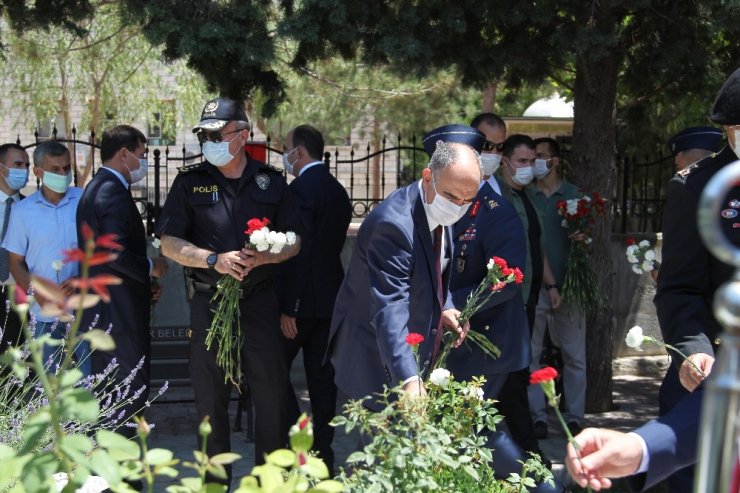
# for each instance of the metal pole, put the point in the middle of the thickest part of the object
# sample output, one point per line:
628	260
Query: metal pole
719	432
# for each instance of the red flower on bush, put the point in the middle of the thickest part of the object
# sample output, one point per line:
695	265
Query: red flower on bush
630	241
255	224
545	374
414	339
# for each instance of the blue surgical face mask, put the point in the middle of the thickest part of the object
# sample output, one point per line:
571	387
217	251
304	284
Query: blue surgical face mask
140	173
287	164
17	177
57	183
218	153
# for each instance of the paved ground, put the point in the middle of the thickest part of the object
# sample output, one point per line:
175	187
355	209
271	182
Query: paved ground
636	383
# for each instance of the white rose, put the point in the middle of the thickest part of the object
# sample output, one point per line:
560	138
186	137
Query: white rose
632	249
572	207
473	392
634	338
647	266
156	243
645	244
650	255
262	246
440	376
588	240
258	237
632	259
636	269
291	237
587	198
490	264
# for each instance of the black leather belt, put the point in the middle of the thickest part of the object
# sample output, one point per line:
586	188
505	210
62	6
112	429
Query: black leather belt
245	292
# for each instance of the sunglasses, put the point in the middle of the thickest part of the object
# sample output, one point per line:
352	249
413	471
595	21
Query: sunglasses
489	146
216	137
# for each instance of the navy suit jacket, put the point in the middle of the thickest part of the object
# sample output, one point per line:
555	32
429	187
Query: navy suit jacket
107	207
312	278
390	290
671	441
492	228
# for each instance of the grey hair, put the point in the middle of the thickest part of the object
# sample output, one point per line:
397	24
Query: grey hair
242	125
48	148
447	153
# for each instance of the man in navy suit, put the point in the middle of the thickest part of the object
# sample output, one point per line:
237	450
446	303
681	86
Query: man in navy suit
397	281
649	454
107	207
312	278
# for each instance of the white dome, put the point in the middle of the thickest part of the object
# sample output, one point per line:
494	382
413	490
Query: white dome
552	107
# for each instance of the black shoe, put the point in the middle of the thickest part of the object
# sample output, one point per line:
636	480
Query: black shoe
574	428
540	430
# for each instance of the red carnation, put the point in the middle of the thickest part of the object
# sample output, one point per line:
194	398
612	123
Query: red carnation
414	339
545	374
500	262
630	241
518	276
498	286
256	224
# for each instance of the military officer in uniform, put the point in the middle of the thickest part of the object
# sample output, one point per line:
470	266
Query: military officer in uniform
689	274
202	227
693	144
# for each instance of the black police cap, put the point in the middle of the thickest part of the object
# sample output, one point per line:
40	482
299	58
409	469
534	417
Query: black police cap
461	134
218	112
726	108
707	138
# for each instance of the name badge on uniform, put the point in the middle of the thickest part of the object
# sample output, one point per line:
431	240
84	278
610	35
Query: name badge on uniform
263	181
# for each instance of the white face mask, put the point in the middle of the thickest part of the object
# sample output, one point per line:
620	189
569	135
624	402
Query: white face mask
218	153
286	164
443	211
737	143
489	162
540	168
523	176
139	174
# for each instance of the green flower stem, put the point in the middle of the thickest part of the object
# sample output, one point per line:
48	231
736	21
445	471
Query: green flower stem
148	476
673	348
226	330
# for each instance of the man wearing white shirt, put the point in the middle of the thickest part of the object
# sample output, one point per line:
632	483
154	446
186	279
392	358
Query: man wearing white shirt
14	165
41	227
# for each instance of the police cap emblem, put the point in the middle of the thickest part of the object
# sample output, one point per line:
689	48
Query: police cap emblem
263	181
210	109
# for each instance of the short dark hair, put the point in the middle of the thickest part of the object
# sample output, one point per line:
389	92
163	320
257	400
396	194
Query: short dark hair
118	137
515	141
491	119
551	143
311	139
6	147
48	148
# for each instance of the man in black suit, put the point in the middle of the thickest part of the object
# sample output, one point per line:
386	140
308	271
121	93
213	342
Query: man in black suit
312	279
106	206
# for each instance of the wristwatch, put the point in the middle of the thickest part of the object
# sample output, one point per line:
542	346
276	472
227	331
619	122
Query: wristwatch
548	287
211	260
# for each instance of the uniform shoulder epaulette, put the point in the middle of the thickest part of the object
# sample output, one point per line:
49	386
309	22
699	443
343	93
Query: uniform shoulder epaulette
490	203
274	169
191	167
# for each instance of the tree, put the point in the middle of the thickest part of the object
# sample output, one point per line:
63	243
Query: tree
647	56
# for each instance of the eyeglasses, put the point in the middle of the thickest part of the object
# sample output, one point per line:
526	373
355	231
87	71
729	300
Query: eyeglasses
489	146
216	137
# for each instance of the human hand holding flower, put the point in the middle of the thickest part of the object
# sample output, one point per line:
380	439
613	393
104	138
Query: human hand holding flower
450	321
415	387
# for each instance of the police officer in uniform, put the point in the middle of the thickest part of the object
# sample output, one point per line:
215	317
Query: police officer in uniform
202	227
689	274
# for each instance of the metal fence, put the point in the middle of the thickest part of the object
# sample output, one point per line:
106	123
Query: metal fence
371	173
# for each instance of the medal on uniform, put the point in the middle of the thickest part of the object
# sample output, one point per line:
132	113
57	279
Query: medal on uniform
735	203
729	213
460	263
263	181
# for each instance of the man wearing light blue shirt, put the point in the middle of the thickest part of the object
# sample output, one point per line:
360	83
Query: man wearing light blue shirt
40	229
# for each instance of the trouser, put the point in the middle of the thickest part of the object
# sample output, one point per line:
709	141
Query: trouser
671	392
9	322
52	355
567	328
131	347
313	338
264	367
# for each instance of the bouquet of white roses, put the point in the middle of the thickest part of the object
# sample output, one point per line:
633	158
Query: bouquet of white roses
225	327
641	255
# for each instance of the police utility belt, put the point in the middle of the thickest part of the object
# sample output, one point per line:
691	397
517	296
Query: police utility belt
194	286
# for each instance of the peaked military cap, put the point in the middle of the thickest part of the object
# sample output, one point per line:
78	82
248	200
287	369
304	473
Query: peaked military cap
218	112
461	134
707	138
726	108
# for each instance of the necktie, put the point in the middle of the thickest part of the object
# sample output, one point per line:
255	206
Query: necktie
440	291
3	252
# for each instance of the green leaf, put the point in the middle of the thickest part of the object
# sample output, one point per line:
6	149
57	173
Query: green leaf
76	447
471	472
70	377
79	405
36	476
315	467
217	470
99	340
177	488
119	447
168	471
193	484
282	458
225	458
6	452
35	429
20	370
105	466
270	476
158	456
215	488
327	486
